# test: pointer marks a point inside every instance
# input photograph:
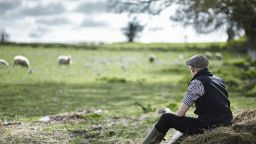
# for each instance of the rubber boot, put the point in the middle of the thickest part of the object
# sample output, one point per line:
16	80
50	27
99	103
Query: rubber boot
153	137
177	138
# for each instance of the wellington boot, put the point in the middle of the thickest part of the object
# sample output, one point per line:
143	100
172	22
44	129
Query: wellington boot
153	137
177	138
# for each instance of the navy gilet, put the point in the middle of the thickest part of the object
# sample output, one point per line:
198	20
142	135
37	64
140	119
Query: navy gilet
213	107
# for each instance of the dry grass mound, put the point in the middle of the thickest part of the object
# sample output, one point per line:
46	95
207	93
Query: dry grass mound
28	134
43	131
243	131
69	117
245	116
245	122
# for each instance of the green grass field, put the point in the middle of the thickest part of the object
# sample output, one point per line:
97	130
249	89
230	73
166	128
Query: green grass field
115	79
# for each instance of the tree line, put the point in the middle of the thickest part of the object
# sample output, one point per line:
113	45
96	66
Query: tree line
235	16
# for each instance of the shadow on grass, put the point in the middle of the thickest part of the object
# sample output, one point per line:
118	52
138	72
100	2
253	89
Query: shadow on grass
26	100
174	70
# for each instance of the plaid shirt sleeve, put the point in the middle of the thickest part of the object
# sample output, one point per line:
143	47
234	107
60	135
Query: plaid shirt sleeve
195	90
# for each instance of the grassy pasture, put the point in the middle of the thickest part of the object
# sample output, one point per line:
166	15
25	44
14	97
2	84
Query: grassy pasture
117	79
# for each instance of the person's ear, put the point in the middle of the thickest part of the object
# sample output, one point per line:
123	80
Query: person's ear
193	69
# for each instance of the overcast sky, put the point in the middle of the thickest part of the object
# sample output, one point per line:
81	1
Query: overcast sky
87	21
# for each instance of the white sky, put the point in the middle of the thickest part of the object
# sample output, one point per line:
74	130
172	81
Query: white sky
87	21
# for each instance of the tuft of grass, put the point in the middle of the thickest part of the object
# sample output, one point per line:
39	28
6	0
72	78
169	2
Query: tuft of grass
251	92
173	106
93	117
112	79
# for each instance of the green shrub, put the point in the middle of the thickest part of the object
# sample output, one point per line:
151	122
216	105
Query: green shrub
253	63
93	117
234	83
251	73
237	63
251	93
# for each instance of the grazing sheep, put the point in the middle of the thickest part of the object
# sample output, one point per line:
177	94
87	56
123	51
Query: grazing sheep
208	55
21	61
152	58
124	67
64	60
218	56
4	63
181	56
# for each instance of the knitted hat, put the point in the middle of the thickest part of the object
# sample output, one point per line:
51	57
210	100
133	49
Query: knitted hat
198	61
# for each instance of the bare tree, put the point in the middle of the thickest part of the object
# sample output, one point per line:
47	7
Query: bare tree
153	7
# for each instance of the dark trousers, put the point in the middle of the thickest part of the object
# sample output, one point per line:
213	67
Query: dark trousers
186	125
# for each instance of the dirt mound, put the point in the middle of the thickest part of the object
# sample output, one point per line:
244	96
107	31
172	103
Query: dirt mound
243	131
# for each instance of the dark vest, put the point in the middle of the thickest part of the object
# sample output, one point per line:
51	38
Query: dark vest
213	107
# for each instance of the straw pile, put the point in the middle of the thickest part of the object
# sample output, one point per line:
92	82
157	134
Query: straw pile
243	131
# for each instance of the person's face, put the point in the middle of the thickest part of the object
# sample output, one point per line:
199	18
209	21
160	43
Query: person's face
192	70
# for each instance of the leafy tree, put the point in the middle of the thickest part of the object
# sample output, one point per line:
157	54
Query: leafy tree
4	36
132	30
204	15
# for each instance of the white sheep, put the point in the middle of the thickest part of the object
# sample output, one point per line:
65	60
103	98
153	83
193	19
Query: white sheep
152	58
21	61
4	63
181	56
218	56
64	60
208	55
